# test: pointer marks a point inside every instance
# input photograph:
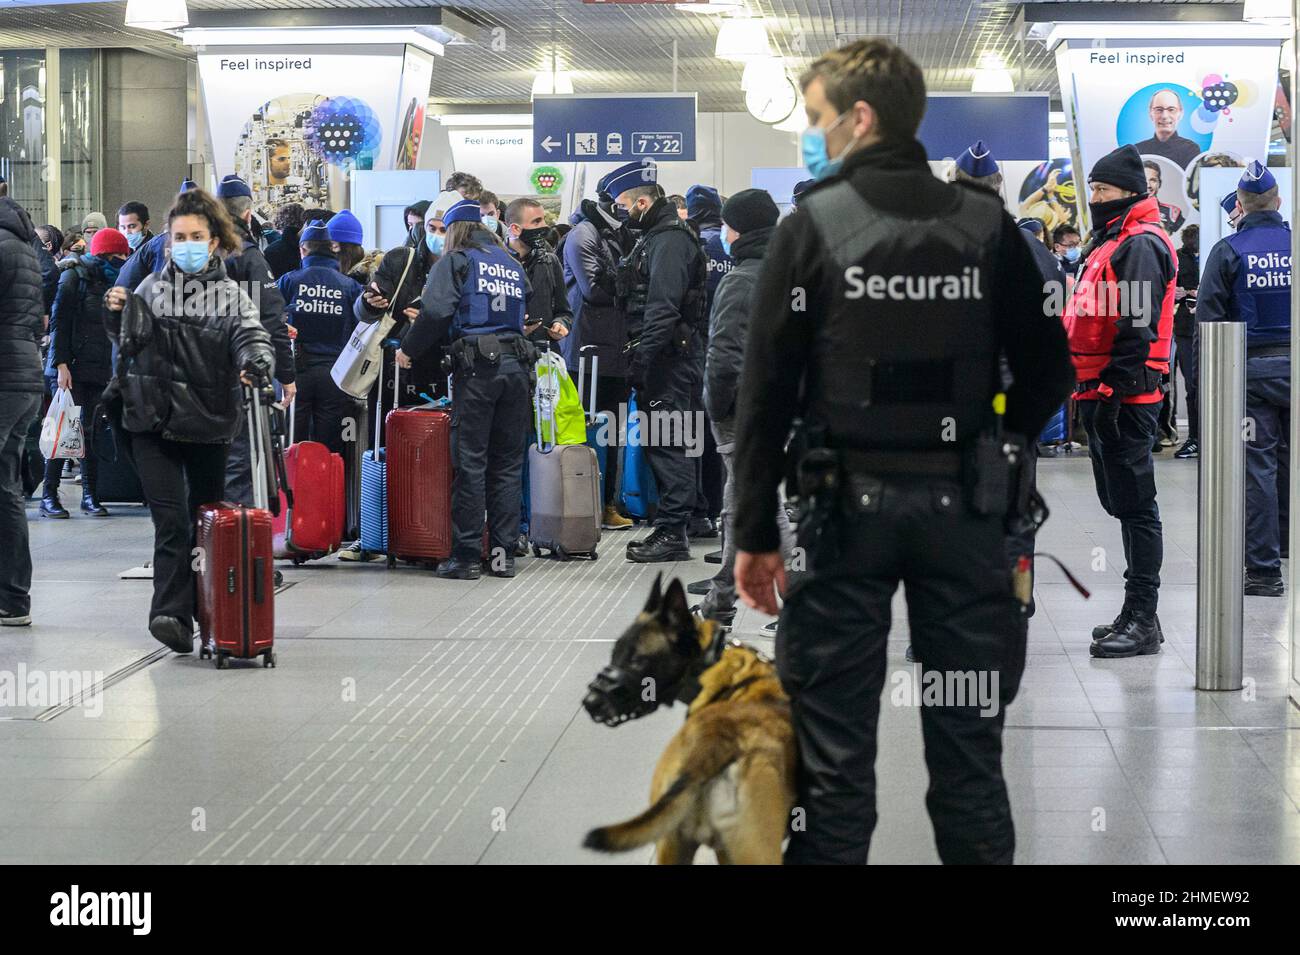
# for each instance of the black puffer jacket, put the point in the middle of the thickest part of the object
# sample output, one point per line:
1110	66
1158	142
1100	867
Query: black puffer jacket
591	253
183	348
22	304
78	337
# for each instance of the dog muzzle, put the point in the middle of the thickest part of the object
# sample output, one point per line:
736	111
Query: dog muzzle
615	696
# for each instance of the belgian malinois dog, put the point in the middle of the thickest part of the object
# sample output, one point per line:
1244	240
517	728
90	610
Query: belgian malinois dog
726	779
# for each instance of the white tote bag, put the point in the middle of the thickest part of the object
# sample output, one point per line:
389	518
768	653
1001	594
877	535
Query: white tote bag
61	435
357	367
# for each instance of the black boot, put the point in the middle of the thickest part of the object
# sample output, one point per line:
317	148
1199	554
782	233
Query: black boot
1137	636
664	544
92	507
1100	632
701	528
700	587
1259	584
173	632
50	506
455	569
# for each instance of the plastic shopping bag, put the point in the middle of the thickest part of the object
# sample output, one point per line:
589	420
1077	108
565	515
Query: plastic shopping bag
61	435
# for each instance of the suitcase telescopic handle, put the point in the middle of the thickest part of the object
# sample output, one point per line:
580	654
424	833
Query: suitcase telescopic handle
595	364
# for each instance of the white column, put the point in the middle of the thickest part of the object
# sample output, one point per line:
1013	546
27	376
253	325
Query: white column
52	171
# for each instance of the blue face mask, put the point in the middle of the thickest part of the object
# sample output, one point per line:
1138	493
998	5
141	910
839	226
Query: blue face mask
190	257
813	145
111	269
1072	255
133	240
490	223
435	241
726	243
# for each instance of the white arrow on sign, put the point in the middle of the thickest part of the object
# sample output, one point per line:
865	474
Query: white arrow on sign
548	144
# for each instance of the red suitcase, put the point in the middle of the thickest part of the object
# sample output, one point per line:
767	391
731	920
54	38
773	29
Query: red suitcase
236	587
312	526
419	484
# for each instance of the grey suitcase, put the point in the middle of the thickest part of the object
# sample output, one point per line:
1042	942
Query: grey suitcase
564	493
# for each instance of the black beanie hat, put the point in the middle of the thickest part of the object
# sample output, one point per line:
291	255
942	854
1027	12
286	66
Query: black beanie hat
750	209
1121	168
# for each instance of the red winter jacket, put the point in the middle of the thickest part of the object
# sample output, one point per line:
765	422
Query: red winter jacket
1110	313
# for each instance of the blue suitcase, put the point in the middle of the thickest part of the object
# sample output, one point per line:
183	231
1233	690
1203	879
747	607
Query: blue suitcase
374	480
638	494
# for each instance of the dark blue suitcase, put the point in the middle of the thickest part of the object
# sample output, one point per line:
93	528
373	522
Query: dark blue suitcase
1055	430
638	494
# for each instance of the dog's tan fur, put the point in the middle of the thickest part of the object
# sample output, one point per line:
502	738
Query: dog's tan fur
726	779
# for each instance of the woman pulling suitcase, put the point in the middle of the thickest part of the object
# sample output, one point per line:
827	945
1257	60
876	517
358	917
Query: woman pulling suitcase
476	295
186	337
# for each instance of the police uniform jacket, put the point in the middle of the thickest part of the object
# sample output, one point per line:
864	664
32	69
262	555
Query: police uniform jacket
1247	278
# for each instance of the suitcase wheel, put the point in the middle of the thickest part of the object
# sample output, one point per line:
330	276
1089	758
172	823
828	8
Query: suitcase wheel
561	553
205	651
223	661
268	658
392	562
297	562
537	551
594	555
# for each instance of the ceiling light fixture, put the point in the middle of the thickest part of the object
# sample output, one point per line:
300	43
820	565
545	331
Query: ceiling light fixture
156	14
550	80
741	39
992	76
763	71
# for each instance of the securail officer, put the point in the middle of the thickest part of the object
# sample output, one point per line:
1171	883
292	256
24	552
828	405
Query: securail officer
879	315
476	296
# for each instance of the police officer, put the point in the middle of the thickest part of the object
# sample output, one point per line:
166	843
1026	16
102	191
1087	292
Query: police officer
476	296
663	283
800	187
1247	278
1120	321
882	308
319	302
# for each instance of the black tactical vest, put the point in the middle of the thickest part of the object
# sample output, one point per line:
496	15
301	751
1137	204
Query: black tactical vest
633	278
905	354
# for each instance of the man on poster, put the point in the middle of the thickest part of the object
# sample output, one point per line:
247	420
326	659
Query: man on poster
1166	112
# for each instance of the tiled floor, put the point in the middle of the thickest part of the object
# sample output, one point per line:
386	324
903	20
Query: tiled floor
416	720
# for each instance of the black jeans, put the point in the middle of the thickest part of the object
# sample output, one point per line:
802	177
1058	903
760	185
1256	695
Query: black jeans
86	396
611	397
17	409
319	407
489	422
830	651
672	409
177	477
1185	357
1125	475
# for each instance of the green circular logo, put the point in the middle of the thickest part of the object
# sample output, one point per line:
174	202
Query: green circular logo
547	180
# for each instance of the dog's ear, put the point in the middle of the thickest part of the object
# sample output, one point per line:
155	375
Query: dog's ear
676	615
656	595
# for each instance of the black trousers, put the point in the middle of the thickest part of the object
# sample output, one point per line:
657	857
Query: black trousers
17	409
1185	357
86	396
489	423
319	406
177	477
671	405
1125	476
611	396
967	628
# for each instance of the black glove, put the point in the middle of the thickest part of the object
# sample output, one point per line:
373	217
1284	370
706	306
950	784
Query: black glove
636	377
1106	420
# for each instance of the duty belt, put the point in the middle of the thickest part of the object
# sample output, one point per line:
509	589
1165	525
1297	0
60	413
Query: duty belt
1267	351
938	464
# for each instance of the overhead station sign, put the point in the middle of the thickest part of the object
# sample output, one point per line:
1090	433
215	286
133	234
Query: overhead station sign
614	128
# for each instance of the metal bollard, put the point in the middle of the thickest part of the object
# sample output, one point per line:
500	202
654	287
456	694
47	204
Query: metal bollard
1221	555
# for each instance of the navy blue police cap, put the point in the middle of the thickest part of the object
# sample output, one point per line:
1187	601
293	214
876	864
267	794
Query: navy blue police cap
977	160
641	172
1256	179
